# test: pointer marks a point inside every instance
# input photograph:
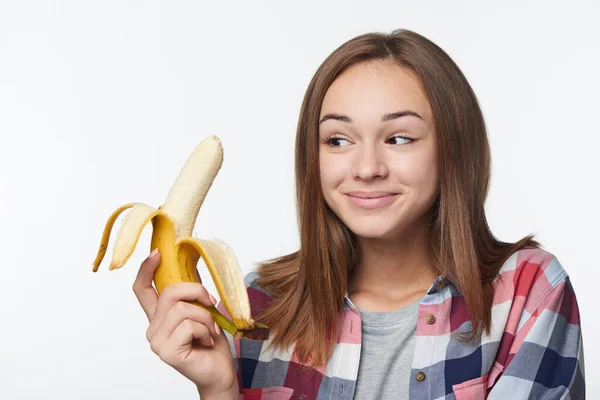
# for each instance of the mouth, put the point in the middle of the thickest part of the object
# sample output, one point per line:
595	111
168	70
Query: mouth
371	200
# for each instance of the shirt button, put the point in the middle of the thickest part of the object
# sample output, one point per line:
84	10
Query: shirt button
420	376
430	319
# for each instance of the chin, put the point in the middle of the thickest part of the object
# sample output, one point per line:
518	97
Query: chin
372	230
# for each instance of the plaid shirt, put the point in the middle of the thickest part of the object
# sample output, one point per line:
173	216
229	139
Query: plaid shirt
534	349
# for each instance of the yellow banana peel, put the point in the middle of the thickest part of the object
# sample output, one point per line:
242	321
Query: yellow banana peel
172	225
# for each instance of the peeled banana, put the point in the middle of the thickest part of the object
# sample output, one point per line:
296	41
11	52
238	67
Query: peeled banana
172	225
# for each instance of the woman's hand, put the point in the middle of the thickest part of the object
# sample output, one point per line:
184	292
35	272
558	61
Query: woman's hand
185	336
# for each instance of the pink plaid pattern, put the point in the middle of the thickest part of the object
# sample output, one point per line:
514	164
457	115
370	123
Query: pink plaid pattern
534	349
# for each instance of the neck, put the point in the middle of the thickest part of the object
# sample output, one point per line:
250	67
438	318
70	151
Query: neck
397	270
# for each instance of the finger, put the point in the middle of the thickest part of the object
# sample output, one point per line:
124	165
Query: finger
176	315
142	286
179	345
189	330
221	341
172	294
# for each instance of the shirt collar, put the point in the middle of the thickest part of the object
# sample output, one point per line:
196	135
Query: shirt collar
437	286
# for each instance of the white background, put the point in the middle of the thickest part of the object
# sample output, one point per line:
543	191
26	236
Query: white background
102	102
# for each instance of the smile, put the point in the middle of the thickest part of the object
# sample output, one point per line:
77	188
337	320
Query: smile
373	202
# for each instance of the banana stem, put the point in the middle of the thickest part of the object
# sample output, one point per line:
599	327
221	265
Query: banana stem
220	319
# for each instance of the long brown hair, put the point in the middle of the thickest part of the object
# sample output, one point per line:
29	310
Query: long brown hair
309	285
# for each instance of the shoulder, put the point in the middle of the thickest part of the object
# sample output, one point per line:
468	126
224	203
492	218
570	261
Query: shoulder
250	280
530	276
257	295
529	258
536	326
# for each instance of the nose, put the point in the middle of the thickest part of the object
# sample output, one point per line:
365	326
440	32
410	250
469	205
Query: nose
369	164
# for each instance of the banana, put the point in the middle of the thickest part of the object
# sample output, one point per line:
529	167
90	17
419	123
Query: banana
172	225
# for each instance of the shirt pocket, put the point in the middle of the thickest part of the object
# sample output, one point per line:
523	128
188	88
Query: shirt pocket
270	393
473	389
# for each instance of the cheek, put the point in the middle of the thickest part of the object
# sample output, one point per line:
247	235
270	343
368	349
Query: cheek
420	172
428	175
332	172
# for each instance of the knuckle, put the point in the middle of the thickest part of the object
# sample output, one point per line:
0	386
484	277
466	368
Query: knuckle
149	335
164	355
155	347
187	325
180	307
135	287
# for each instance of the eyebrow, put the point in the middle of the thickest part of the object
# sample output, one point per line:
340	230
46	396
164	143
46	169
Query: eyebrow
384	118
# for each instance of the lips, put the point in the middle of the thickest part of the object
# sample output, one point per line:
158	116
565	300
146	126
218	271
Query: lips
371	200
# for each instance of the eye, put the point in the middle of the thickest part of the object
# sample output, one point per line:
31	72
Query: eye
400	138
336	141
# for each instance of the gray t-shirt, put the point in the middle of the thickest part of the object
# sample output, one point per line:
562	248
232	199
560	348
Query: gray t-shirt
388	342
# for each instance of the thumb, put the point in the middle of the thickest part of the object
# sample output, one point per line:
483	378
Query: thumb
142	287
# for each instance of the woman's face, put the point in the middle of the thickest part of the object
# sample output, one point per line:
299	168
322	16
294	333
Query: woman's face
377	151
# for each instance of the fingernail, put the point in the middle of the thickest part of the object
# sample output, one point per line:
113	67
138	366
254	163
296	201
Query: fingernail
212	342
153	254
218	329
214	301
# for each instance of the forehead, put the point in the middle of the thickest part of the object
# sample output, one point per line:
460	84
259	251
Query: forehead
370	89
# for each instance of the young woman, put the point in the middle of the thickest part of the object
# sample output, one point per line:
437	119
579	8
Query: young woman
399	290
